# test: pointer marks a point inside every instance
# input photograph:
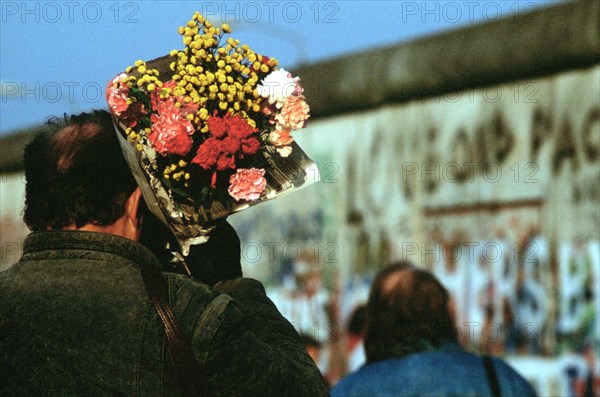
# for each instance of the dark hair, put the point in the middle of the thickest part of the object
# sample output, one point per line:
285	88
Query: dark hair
356	324
76	173
409	315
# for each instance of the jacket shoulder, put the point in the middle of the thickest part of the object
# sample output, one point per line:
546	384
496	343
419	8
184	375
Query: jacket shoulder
511	382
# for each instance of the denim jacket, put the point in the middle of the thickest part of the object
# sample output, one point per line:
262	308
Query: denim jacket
444	372
75	319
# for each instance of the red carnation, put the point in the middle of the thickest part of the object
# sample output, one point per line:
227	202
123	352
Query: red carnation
231	145
208	153
231	138
239	127
250	145
217	126
225	162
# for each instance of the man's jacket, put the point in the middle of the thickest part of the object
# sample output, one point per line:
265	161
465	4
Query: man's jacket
75	319
444	372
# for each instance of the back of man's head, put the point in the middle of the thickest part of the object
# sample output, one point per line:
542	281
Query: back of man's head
356	324
407	312
76	174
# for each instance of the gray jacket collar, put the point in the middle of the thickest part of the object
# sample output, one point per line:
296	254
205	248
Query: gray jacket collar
91	244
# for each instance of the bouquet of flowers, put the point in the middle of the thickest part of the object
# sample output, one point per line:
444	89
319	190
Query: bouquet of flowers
207	130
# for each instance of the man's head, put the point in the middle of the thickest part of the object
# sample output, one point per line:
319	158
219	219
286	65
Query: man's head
356	324
408	311
76	175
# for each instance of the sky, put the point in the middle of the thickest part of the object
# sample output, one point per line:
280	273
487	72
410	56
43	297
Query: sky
57	56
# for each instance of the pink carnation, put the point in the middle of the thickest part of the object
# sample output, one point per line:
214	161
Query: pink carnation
247	184
155	98
171	130
117	96
121	104
156	101
280	137
294	113
170	137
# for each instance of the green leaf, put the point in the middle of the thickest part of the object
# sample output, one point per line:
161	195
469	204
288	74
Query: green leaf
170	185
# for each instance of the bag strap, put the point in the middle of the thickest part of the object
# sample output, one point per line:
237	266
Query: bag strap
492	377
191	375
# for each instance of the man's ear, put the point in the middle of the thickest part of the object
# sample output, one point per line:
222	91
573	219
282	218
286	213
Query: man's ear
132	206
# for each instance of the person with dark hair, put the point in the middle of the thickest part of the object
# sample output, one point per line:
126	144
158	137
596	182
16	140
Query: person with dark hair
355	333
76	174
77	316
412	349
